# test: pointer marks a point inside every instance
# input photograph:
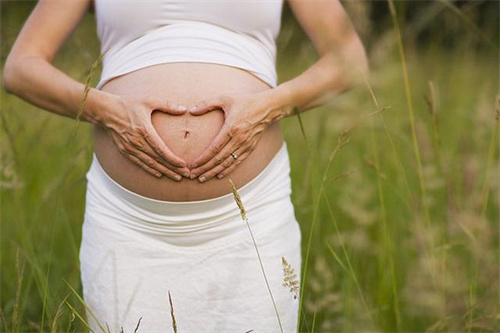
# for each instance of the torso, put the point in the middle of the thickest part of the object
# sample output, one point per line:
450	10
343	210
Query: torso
187	84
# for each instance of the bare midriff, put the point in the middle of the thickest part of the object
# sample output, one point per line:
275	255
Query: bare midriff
186	135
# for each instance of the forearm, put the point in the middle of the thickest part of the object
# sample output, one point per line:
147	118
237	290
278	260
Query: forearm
334	73
36	81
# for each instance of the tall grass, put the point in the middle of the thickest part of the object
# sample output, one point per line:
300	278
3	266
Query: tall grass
244	217
379	256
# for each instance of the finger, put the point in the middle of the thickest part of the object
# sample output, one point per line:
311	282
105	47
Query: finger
146	148
164	105
144	166
234	165
218	143
219	159
206	105
126	149
157	144
228	162
151	163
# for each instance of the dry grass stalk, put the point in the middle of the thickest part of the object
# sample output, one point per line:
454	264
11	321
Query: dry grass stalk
89	310
237	198
70	321
297	113
82	319
423	190
388	248
348	261
34	326
431	99
174	324
87	86
290	278
20	275
87	83
497	115
86	91
411	114
4	321
58	314
432	105
342	140
393	147
243	213
342	175
491	156
11	137
138	323
314	321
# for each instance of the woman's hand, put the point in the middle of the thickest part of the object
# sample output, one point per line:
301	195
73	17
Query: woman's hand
129	123
246	116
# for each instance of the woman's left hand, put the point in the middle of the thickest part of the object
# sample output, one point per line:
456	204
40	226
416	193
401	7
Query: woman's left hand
246	116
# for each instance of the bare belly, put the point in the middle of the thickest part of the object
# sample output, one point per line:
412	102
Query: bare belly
187	84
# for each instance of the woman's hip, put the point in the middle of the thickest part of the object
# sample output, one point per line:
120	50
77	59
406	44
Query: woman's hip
136	250
191	224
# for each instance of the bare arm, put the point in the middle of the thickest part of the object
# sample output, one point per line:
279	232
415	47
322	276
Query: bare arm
29	74
341	65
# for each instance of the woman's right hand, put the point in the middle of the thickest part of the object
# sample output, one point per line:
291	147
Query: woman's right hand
129	124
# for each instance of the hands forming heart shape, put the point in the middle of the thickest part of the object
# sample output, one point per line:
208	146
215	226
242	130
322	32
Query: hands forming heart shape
246	116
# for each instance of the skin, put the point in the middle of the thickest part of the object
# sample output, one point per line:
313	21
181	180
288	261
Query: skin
341	65
128	119
186	135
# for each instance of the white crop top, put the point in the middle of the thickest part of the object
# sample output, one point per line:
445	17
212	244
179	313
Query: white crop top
141	33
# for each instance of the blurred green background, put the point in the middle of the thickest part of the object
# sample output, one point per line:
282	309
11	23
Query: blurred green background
399	214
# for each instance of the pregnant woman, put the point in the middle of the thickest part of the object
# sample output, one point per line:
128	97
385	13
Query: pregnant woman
188	98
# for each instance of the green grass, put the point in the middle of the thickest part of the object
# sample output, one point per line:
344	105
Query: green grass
380	255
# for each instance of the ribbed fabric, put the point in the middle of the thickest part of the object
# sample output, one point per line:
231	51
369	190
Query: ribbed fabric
238	33
135	250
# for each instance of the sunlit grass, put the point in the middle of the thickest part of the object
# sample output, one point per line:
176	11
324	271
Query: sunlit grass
360	208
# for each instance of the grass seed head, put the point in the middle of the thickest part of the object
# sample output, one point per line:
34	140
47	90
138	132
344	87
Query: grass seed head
237	198
290	278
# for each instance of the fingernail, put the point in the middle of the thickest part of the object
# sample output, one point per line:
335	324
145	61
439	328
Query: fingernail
193	108
158	175
186	174
178	177
220	176
193	176
202	179
182	108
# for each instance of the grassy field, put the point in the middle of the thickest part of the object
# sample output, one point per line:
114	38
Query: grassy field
396	188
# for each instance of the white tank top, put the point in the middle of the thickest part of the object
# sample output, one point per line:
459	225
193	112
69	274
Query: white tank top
141	33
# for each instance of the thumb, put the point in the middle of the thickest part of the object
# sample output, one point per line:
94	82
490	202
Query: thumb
206	105
167	106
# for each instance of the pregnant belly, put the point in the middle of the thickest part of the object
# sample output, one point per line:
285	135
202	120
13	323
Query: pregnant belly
186	135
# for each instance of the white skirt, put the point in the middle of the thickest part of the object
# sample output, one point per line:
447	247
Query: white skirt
136	250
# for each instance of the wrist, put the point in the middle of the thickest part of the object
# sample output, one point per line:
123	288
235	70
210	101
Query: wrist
280	102
99	107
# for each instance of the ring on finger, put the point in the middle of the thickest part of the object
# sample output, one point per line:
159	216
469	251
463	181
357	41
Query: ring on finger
234	155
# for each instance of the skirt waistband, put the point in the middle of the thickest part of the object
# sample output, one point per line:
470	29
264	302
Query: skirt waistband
272	183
